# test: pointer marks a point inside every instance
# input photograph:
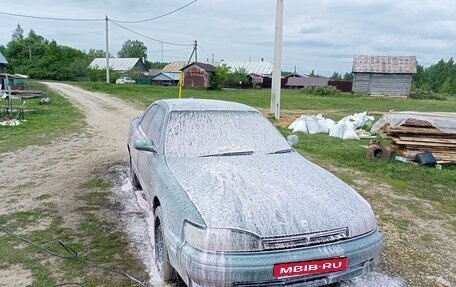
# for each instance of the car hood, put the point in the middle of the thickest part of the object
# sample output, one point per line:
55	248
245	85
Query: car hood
271	195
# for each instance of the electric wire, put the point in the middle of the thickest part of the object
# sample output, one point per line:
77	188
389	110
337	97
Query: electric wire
205	52
96	19
73	255
150	38
54	18
71	34
157	17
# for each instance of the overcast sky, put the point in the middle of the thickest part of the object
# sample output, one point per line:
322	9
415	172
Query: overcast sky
322	35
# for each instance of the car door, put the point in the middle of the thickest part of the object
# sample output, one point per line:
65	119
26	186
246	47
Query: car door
151	127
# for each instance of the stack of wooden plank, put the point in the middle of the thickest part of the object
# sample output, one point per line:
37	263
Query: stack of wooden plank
412	133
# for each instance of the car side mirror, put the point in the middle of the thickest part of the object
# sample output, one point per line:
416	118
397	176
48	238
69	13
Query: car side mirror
292	140
145	145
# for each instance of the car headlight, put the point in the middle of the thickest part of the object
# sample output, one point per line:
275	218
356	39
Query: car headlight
220	239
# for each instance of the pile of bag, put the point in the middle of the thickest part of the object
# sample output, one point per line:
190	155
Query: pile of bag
346	128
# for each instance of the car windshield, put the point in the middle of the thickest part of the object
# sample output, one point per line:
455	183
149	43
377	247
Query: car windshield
221	133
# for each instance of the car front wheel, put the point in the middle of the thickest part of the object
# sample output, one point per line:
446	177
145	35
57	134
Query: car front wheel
164	267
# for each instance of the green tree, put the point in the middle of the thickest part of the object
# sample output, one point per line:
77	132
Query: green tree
348	77
155	65
42	59
238	76
18	33
93	53
219	77
313	75
336	77
133	49
439	77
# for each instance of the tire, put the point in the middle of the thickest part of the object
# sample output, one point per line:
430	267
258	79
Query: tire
133	178
165	270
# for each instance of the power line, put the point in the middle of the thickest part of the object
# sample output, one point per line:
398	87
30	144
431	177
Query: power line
74	34
204	51
53	18
168	50
157	17
147	37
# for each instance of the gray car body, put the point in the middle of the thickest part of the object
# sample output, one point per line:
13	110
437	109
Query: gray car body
268	195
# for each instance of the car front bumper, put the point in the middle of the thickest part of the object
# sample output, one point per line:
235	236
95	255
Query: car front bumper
256	268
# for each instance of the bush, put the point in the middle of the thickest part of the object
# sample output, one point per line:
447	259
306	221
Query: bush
321	91
426	94
96	75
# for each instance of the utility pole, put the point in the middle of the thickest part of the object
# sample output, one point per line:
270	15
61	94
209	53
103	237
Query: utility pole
161	50
107	52
277	69
196	50
30	53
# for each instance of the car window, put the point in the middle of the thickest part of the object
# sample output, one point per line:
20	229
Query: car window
202	133
152	121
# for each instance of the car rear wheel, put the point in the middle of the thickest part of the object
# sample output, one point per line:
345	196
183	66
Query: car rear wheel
165	270
133	178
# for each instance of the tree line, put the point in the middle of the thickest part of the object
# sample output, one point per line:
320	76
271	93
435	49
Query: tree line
40	58
438	78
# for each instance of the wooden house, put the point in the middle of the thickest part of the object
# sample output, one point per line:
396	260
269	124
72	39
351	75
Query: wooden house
120	65
3	63
383	75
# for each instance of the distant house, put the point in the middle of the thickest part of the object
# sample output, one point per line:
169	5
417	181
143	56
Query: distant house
304	82
3	63
166	79
257	72
120	65
174	67
383	75
198	75
257	68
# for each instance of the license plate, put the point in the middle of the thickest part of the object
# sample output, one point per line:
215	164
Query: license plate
310	267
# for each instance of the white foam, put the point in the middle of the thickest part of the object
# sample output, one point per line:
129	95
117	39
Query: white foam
375	279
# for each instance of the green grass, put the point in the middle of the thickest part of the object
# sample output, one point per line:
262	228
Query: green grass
425	183
43	124
337	106
95	240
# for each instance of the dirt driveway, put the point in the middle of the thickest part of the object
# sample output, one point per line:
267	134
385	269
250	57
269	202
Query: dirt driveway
50	174
58	167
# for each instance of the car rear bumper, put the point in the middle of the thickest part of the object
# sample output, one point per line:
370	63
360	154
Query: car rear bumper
256	268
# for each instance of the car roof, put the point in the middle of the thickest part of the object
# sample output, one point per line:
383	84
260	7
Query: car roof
202	105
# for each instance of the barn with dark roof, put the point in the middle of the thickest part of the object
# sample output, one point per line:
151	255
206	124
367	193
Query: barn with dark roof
198	75
383	75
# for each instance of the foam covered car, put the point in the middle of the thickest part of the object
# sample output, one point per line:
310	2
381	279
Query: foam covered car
235	205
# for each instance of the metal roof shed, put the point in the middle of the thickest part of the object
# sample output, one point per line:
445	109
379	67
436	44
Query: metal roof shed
166	79
121	65
261	68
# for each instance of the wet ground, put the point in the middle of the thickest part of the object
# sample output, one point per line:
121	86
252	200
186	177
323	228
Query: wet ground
138	224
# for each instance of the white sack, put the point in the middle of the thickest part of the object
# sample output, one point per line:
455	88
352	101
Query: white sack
300	125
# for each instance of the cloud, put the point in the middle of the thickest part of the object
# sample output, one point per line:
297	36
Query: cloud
323	35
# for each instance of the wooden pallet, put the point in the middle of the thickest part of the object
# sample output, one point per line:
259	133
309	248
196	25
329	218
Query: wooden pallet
417	136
